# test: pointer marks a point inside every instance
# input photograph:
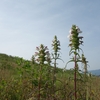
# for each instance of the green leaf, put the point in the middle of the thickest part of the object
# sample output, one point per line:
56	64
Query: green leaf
68	62
78	54
81	50
79	61
61	60
71	52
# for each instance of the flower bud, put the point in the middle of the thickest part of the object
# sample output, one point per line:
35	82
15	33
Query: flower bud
42	54
74	37
56	44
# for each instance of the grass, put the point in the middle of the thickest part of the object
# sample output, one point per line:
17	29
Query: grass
19	81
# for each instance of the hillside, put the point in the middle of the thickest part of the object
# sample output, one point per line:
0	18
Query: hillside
10	62
7	62
22	80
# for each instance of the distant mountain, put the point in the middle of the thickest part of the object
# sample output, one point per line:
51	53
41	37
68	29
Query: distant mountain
95	72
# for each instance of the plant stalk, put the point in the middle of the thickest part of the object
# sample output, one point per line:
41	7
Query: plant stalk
75	95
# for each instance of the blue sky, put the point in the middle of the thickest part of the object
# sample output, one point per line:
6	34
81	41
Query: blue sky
25	24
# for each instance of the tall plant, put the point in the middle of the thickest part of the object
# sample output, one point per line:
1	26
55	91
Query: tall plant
85	63
55	55
75	42
42	56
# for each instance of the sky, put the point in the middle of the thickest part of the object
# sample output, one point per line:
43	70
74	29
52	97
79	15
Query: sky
25	24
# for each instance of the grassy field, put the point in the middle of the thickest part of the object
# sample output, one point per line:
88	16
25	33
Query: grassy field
22	80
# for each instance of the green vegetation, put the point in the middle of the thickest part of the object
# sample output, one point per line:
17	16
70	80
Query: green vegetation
20	81
40	79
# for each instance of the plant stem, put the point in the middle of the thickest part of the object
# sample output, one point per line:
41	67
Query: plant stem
39	84
54	72
75	96
39	91
54	75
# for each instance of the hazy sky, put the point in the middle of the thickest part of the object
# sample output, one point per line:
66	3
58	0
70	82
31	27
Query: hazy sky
25	24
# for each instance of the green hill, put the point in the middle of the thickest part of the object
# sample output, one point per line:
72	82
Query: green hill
7	62
10	62
22	80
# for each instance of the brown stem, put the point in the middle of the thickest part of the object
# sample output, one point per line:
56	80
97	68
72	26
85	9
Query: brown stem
54	72
39	91
54	77
39	84
75	95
